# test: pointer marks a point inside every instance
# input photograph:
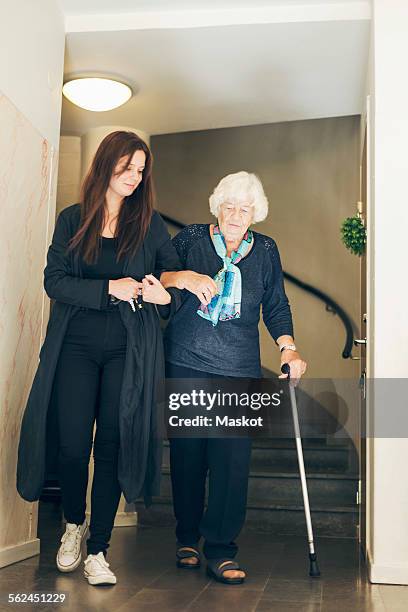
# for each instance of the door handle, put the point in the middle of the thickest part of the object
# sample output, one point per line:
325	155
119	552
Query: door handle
359	341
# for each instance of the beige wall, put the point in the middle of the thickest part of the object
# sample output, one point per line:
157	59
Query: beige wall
310	172
30	102
69	171
32	41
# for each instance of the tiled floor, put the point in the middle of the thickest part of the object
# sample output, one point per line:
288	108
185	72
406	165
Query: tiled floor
148	580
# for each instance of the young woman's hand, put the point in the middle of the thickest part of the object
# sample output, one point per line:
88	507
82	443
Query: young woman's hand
154	292
124	288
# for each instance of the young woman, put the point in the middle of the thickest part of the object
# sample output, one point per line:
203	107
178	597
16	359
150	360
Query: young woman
102	358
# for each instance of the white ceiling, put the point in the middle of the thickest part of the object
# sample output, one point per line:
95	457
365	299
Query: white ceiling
84	7
193	78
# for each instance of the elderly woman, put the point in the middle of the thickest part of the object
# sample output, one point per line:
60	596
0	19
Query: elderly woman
231	272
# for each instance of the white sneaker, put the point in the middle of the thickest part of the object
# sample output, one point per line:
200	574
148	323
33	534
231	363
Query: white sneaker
97	570
69	553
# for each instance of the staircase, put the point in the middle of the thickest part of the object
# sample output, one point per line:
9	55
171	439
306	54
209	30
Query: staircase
275	502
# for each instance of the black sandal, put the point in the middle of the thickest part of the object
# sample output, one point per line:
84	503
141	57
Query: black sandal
186	552
217	567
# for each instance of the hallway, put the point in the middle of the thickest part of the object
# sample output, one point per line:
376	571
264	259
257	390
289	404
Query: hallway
310	96
148	579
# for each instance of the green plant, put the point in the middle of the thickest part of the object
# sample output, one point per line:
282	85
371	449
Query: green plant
353	235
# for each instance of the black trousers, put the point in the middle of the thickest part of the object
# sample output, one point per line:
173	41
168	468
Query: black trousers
87	388
227	462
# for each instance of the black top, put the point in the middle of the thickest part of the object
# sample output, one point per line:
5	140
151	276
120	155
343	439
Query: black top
106	266
231	348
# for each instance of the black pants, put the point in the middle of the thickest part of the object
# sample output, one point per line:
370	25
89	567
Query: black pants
227	461
87	387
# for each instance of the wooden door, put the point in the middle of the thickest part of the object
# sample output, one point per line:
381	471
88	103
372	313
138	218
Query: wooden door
361	342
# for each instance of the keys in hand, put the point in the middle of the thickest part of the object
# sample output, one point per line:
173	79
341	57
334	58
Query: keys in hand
153	291
149	290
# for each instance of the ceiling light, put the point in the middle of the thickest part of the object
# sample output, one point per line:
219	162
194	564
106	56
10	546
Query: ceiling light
96	94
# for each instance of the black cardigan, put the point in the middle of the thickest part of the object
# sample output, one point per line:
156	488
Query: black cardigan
140	419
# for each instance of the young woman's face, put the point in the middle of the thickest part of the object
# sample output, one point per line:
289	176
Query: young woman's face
234	218
126	178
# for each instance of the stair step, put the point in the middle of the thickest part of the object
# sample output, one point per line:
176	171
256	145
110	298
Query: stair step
280	442
270	486
282	518
293	474
284	457
286	520
317	443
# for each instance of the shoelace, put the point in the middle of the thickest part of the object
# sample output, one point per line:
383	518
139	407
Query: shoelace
99	560
69	539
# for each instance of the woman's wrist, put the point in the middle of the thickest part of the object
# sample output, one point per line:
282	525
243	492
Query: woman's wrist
285	340
166	299
181	279
289	353
287	347
173	279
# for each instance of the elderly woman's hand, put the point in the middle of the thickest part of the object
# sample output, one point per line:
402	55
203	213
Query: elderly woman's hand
203	286
296	364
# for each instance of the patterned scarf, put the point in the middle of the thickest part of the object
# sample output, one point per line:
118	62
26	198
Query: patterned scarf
226	304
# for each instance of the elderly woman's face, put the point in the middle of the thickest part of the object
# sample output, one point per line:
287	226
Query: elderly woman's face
234	218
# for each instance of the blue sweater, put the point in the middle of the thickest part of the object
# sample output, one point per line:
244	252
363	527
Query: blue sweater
231	348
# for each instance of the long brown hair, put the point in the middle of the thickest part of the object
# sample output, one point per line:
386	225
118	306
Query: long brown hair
136	210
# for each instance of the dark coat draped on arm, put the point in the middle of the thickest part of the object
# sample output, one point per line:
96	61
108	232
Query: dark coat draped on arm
141	400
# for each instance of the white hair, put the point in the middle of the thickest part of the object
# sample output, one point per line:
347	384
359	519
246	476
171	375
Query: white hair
240	187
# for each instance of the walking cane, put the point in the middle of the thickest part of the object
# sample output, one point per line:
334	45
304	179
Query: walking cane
314	567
